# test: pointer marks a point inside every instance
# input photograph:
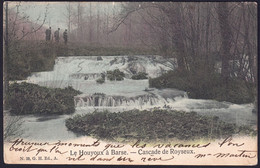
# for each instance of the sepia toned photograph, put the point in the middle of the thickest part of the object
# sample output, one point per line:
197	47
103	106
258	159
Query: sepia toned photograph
130	83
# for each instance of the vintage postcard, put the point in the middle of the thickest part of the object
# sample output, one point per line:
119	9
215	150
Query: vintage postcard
130	83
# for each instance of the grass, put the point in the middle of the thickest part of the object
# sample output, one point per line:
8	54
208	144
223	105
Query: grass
152	125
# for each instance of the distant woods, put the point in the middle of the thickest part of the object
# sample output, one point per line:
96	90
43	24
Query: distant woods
198	35
202	36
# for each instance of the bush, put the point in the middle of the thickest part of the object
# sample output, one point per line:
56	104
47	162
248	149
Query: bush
140	75
115	75
204	85
27	98
152	125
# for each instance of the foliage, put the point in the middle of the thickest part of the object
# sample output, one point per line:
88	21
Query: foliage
152	125
205	85
115	75
27	98
26	57
140	75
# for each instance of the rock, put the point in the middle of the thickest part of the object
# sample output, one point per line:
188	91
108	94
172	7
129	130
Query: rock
254	110
113	61
148	89
131	58
99	58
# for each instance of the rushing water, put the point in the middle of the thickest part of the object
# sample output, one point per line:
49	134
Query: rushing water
81	73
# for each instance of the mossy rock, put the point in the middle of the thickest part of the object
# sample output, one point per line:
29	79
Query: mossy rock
115	75
100	80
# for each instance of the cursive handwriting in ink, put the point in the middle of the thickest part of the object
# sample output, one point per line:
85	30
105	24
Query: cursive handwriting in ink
228	142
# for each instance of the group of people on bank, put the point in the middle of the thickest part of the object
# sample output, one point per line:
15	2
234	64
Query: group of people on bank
56	35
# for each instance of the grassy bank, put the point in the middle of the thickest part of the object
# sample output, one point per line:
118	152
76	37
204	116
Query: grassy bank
152	125
206	86
26	98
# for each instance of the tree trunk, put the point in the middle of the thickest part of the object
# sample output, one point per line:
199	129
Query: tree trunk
90	23
98	23
178	38
226	37
6	57
69	17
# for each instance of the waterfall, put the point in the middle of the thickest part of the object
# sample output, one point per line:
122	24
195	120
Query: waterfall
96	100
81	73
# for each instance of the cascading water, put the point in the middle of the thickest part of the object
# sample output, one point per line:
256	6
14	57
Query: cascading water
115	101
82	72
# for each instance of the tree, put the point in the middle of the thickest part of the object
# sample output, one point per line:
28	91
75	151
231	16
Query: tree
69	15
6	56
90	23
19	31
226	37
80	11
98	23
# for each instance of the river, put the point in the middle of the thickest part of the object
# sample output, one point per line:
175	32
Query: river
81	73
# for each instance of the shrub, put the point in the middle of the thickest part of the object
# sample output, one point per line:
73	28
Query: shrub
140	75
204	85
152	125
27	98
115	75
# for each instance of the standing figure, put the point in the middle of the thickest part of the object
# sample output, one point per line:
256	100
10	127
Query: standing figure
65	36
48	34
57	35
